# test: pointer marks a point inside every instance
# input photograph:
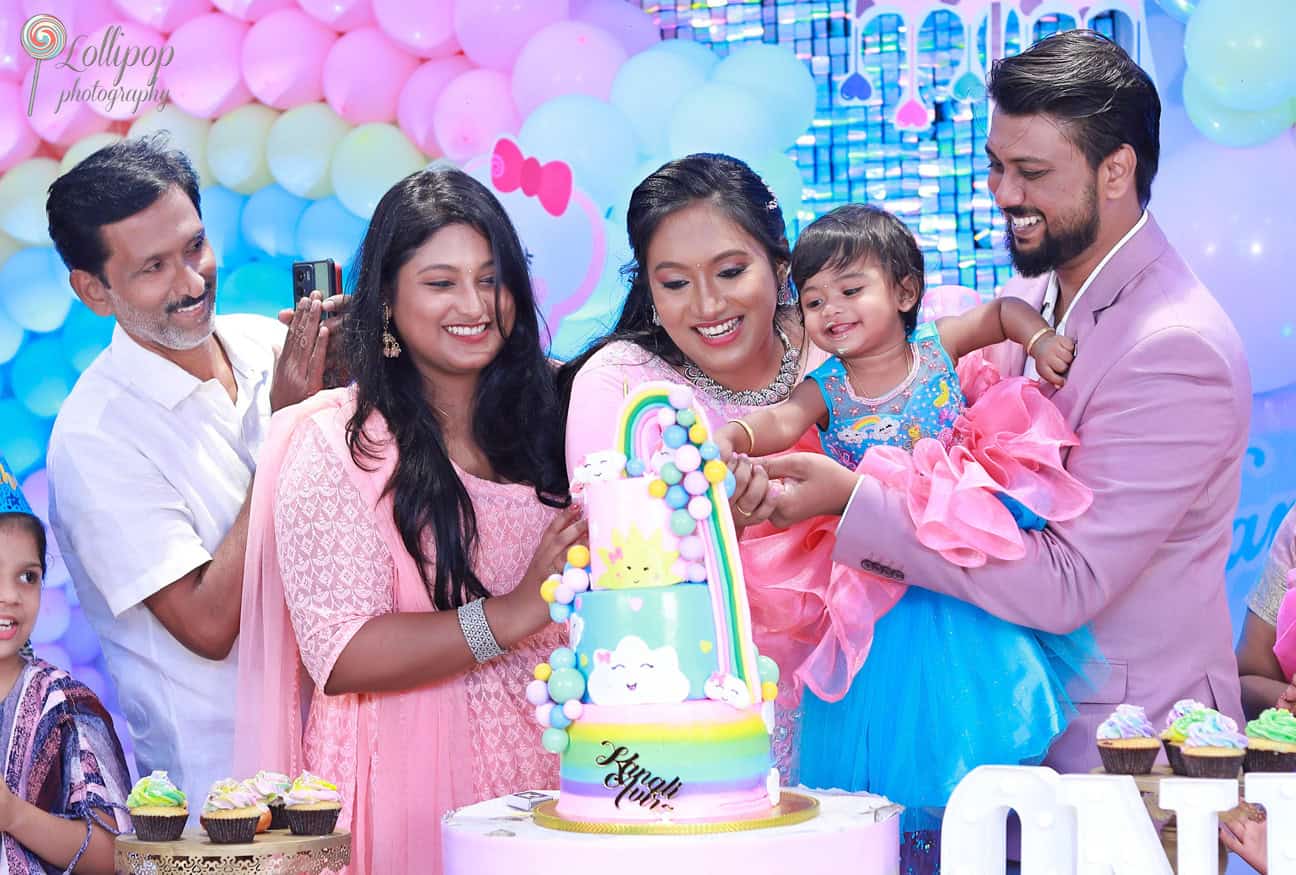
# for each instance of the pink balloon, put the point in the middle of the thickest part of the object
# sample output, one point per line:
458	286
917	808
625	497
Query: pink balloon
363	76
472	112
251	10
14	62
629	25
78	16
340	15
205	76
415	109
492	32
62	114
165	15
569	57
283	58
18	141
426	28
119	40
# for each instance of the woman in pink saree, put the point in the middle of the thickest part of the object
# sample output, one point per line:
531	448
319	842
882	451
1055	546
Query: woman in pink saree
400	530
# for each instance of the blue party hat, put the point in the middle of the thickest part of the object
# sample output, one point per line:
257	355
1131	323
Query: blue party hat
11	497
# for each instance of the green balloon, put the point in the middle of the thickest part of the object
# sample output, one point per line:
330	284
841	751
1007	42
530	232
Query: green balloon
554	740
566	684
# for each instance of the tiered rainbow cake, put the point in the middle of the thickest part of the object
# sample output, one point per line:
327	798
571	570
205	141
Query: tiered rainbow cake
661	708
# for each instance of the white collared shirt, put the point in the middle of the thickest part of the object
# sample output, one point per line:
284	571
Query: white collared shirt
1053	290
148	468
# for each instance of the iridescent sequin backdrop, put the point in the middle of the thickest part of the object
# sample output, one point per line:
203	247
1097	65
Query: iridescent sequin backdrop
934	179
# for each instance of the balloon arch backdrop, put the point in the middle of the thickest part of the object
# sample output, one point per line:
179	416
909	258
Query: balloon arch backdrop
299	114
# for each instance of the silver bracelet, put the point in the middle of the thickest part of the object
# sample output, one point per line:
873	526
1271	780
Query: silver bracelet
477	632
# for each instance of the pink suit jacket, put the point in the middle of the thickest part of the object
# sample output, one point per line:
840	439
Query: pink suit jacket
1160	397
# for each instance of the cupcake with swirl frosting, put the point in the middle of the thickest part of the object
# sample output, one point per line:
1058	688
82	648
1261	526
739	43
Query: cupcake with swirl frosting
312	806
272	787
1127	742
158	808
1213	748
231	812
1271	742
1182	714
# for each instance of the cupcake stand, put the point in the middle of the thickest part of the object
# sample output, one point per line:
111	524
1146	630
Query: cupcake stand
819	833
277	852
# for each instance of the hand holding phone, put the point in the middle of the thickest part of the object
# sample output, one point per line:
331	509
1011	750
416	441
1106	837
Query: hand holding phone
324	275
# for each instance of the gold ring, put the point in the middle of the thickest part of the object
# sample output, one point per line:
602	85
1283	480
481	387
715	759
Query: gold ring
744	512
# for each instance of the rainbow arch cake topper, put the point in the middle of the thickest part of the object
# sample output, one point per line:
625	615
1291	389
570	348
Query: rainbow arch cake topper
661	428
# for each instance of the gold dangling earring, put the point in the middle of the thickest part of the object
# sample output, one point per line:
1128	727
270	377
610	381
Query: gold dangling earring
391	346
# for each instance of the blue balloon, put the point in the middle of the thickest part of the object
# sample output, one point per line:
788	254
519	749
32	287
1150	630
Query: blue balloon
23	438
80	641
1239	51
723	117
263	287
676	497
592	136
698	54
647	88
634	468
41	376
270	220
329	230
222	212
11	337
1228	126
34	288
557	719
85	335
674	437
780	81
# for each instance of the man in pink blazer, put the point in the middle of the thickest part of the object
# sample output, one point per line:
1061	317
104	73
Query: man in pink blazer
1159	394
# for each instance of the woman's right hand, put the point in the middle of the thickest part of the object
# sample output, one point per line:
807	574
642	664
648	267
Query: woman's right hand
565	530
753	497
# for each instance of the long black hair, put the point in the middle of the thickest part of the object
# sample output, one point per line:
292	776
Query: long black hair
731	186
516	420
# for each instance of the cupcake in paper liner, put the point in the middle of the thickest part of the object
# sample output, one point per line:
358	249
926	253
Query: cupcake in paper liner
1271	742
272	787
231	812
1127	742
312	806
158	808
1181	716
1214	748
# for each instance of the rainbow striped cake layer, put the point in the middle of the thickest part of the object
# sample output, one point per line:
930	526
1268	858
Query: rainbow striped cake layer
697	761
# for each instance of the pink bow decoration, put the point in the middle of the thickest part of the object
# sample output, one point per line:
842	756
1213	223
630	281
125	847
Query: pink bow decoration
550	183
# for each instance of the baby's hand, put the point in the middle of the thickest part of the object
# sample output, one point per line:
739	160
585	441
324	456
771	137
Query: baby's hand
727	437
1053	355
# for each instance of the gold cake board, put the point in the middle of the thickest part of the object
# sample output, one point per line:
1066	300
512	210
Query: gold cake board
792	808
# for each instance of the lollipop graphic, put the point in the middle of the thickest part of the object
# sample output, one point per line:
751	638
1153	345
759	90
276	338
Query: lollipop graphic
43	36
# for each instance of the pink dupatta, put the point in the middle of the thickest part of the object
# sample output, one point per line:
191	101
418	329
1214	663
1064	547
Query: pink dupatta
415	769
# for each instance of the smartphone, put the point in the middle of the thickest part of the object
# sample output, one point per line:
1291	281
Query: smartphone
325	275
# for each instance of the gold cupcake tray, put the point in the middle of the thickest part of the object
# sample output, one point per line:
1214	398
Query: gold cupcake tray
276	852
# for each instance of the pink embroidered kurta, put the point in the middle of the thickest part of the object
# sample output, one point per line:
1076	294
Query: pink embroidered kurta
401	760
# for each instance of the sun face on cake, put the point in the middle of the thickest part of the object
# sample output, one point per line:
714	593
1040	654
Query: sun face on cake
636	562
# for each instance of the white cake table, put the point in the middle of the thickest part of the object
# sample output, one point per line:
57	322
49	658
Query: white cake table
858	830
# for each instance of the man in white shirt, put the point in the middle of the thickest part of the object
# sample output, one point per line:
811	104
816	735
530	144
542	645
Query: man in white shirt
153	452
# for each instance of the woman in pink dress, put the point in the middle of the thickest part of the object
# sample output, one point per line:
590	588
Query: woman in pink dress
399	533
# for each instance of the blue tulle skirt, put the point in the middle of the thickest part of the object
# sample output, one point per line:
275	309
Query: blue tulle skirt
946	687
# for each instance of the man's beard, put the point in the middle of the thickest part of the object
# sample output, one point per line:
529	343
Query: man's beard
1055	249
158	328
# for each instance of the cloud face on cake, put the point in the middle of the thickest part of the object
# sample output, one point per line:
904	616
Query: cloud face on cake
635	674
